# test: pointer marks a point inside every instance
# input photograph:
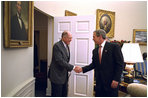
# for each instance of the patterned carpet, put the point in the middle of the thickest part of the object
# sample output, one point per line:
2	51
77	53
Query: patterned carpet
41	93
122	94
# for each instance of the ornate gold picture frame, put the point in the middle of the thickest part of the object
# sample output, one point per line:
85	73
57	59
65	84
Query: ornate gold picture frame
18	23
106	20
69	13
140	36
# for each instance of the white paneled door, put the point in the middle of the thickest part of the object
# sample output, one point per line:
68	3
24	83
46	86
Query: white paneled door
81	47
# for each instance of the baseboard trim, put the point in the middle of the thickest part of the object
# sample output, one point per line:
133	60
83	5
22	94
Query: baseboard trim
48	89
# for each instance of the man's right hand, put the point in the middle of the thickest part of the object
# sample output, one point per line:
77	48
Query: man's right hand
78	69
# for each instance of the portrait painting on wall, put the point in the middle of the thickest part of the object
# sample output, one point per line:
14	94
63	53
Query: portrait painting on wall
106	21
18	21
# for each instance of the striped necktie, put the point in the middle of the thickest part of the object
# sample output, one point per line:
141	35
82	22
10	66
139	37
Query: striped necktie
68	51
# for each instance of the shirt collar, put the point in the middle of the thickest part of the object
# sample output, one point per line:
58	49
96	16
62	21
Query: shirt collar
64	43
103	44
18	15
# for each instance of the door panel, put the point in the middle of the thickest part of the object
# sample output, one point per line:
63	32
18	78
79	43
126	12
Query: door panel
83	51
80	84
81	47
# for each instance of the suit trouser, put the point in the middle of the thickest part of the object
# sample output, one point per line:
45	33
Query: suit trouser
59	90
104	91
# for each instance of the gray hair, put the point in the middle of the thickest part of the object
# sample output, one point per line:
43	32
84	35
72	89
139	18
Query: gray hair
64	34
100	32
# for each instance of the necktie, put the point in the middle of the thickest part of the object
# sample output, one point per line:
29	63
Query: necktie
100	53
68	52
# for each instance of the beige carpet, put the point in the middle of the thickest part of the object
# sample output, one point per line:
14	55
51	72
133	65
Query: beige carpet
122	94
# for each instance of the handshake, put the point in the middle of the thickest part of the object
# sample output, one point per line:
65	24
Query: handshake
78	69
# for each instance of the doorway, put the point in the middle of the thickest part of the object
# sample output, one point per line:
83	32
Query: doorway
81	46
42	36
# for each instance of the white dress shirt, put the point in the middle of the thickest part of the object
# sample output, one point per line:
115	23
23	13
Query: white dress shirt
102	47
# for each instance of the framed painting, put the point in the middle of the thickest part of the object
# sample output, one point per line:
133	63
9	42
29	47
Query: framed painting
69	13
140	36
18	23
106	20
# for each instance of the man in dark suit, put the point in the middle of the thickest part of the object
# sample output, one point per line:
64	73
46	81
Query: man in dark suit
18	31
60	66
108	66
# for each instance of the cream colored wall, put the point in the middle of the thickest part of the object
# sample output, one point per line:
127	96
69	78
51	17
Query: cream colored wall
16	67
129	14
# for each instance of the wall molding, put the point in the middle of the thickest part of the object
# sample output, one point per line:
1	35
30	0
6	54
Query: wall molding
26	89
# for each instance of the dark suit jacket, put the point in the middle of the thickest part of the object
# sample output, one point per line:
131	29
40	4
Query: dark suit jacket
59	66
16	32
111	64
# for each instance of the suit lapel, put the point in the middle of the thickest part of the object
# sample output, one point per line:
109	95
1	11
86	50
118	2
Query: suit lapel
63	48
97	52
105	50
96	55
